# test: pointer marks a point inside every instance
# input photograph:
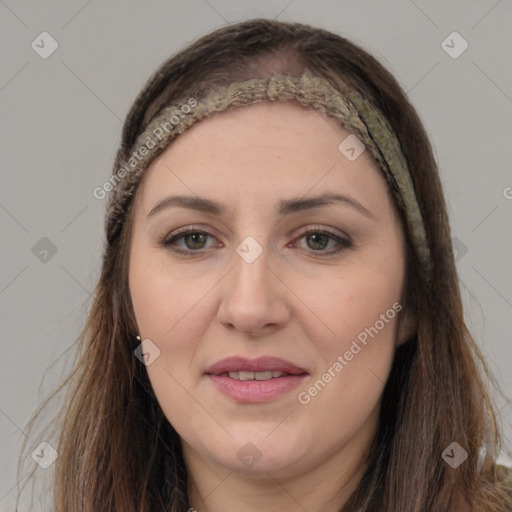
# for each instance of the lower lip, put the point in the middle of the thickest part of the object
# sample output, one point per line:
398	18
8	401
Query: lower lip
256	391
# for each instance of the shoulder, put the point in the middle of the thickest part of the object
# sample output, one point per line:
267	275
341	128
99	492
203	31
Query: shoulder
504	474
502	477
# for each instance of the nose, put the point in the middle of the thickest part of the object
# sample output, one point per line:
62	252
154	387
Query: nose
254	297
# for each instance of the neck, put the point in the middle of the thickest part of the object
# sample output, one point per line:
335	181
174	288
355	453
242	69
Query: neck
232	491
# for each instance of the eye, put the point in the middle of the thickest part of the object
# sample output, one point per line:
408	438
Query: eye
195	241
193	238
318	239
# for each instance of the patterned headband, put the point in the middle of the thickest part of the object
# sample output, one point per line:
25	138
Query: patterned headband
356	115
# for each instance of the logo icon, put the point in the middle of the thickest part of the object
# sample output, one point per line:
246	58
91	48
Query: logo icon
147	352
459	249
249	249
454	45
351	147
44	45
454	455
44	250
248	455
45	455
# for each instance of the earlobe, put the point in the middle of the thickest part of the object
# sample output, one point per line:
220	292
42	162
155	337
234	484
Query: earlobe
407	327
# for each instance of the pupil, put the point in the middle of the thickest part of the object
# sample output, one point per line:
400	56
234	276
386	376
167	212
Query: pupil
322	236
194	237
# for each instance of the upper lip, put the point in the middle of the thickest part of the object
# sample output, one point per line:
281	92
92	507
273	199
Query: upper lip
261	364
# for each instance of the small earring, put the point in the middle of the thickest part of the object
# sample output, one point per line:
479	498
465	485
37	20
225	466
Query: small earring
138	337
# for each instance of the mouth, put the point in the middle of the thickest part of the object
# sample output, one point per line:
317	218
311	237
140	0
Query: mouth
255	381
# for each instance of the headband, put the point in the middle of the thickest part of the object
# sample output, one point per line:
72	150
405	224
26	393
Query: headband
355	114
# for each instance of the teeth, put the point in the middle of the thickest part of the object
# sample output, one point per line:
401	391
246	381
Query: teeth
255	375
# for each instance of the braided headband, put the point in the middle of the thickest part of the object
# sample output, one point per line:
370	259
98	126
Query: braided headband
356	115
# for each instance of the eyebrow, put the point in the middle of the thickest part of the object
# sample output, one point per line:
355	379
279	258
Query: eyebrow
285	206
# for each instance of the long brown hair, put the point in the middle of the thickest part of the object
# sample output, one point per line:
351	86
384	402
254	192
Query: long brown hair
118	452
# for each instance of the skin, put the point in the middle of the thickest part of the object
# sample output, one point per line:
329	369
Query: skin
290	303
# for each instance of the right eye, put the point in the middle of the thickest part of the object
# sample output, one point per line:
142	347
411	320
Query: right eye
193	238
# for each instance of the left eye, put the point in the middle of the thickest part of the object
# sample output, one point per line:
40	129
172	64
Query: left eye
317	240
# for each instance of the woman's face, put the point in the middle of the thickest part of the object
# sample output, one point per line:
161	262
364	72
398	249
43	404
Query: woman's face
253	285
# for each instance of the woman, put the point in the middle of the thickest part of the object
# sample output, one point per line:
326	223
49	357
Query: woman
278	323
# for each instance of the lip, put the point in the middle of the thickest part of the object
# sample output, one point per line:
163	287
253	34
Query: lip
255	391
261	364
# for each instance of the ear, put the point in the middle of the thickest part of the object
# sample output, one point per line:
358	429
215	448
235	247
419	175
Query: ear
407	326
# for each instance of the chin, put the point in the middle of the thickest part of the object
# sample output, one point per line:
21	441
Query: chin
259	455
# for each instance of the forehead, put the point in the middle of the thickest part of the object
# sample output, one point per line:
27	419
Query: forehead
260	151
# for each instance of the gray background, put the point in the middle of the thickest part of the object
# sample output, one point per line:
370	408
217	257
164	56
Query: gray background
61	123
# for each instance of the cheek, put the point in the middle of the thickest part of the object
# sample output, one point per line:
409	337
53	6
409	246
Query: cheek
359	313
168	312
174	314
346	302
163	299
354	363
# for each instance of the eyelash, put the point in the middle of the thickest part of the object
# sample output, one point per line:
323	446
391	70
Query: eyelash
343	243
